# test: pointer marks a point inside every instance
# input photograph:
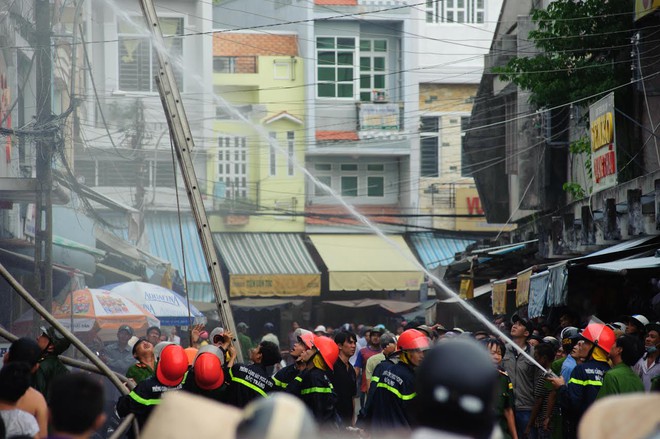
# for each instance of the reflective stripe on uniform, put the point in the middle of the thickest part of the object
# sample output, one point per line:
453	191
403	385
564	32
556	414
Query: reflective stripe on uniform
299	379
396	392
140	400
585	382
316	390
375	379
279	383
247	384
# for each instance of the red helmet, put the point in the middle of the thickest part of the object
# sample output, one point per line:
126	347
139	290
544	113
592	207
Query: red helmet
208	368
328	349
412	339
599	334
172	366
307	339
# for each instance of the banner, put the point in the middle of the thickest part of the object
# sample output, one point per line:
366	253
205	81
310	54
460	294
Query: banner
281	285
467	288
522	287
499	297
603	143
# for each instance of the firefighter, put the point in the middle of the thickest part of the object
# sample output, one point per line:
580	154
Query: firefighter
206	376
313	385
171	372
288	373
390	407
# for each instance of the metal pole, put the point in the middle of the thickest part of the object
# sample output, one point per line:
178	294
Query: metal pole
65	332
183	143
43	230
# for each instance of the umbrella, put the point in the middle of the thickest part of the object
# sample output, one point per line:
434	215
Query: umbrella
169	307
92	310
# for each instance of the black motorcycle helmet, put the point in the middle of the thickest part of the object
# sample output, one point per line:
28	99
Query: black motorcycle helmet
456	389
57	340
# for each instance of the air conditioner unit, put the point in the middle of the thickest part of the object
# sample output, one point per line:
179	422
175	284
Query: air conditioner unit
379	95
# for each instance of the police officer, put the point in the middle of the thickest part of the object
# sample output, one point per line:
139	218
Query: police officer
390	404
52	344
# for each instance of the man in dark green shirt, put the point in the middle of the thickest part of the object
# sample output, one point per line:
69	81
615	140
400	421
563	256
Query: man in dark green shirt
621	378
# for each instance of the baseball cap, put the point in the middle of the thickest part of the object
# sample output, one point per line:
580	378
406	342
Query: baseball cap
125	328
526	323
320	328
653	327
242	325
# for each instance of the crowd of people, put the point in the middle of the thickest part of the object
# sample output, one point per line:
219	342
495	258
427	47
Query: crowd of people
416	380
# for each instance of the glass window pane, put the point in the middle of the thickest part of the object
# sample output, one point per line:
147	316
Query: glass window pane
375	186
450	3
480	17
461	17
345	58
379	81
326	58
326	90
375	168
429	17
365	45
450	17
349	186
349	167
365	63
365	81
380	45
325	43
326	74
325	179
379	64
480	4
345	74
323	166
365	96
430	124
345	43
460	3
345	90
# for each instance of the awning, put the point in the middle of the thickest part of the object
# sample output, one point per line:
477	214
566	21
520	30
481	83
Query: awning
74	245
164	242
436	250
626	266
618	251
393	306
122	247
267	304
503	249
115	274
368	263
268	264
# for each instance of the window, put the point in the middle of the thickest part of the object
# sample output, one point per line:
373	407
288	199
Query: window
291	154
224	64
349	186
232	150
455	11
375	186
326	180
272	148
372	67
349	167
163	175
429	141
138	61
335	67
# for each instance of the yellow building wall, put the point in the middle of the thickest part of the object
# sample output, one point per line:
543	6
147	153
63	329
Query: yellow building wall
271	195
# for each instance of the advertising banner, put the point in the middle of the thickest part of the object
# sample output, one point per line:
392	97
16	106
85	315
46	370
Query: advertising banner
603	143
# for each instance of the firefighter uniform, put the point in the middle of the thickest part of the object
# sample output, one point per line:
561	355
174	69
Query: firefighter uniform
314	388
247	382
143	398
582	389
284	376
390	404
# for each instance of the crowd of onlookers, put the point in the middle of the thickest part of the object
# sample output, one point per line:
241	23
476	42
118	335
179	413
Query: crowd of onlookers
523	380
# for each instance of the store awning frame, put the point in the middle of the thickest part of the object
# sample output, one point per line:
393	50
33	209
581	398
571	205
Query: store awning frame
618	251
393	306
624	267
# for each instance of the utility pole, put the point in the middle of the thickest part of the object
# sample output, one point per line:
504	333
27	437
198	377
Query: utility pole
43	218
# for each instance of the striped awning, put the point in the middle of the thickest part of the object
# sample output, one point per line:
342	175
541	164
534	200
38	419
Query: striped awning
163	231
435	250
268	264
